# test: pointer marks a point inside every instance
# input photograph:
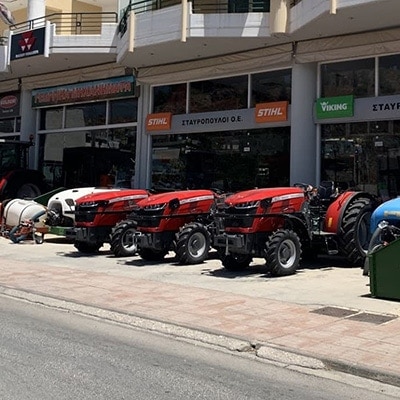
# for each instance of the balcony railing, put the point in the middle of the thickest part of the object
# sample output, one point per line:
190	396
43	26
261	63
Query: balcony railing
70	24
198	7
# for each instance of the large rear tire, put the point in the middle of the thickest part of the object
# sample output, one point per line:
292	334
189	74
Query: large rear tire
355	233
122	239
192	243
283	252
28	191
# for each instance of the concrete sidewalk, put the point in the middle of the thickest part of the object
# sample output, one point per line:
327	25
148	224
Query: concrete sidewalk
344	329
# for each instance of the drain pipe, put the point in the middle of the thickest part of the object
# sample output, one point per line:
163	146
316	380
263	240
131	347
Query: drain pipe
184	20
333	7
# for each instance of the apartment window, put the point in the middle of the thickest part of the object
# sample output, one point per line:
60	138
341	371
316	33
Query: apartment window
170	98
219	94
356	77
389	75
271	86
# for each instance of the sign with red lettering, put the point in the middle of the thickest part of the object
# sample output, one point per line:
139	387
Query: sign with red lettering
159	122
9	104
272	112
122	86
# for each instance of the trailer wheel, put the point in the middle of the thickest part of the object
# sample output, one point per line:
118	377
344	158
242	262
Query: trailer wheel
88	248
283	252
234	261
122	240
192	243
355	233
152	255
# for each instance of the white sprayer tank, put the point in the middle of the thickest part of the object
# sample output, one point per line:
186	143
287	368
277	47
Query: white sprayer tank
18	210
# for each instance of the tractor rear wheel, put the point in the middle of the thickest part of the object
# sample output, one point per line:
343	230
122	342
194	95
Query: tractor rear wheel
192	243
355	234
122	240
28	191
283	252
234	261
152	255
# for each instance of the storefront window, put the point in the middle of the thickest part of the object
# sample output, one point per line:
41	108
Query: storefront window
7	125
219	94
123	111
363	155
229	161
51	118
89	158
271	86
170	98
81	115
389	75
355	77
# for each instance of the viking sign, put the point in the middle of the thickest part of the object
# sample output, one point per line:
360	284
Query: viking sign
5	15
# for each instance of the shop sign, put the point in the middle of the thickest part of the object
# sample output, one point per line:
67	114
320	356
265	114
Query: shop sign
27	44
159	122
9	105
271	112
335	107
209	122
123	86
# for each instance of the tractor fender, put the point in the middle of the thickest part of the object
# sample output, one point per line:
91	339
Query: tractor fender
337	209
298	225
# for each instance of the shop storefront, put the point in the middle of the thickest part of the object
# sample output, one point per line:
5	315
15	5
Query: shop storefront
87	132
229	134
360	124
10	119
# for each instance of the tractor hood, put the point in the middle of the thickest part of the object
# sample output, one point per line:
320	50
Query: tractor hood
281	193
183	196
387	211
114	195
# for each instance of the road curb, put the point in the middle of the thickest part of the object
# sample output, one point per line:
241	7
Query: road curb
283	357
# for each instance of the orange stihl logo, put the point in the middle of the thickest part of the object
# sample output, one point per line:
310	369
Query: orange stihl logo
271	112
158	122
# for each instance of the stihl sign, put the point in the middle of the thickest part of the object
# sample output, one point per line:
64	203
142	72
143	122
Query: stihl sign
158	122
271	112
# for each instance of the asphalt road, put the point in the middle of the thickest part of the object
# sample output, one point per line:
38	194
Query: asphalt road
49	354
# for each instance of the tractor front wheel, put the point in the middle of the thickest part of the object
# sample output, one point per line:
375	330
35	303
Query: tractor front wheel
192	244
122	240
283	252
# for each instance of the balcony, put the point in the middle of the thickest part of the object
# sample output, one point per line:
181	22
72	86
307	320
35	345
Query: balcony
75	40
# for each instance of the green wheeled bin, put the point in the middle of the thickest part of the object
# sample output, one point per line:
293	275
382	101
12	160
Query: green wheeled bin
384	271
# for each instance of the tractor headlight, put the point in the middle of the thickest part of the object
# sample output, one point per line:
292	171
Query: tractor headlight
155	207
248	204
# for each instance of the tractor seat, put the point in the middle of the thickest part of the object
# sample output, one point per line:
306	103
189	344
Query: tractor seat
326	189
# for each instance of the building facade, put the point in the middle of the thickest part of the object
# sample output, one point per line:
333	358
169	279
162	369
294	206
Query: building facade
223	94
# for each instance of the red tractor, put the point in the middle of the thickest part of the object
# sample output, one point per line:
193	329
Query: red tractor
16	179
282	224
97	213
181	221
